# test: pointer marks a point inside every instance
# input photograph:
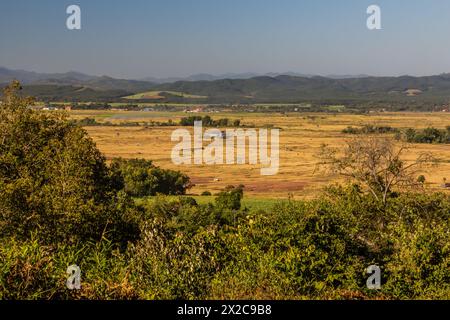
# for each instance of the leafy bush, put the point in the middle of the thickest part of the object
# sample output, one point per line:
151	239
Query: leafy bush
61	205
419	265
174	266
298	251
30	270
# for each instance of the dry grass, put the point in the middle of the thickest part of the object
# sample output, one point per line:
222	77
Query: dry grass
300	139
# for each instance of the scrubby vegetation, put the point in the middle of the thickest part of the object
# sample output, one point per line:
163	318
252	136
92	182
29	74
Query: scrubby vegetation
207	121
61	204
428	135
316	249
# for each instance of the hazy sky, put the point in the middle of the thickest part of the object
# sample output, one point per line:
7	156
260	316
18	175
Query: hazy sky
161	38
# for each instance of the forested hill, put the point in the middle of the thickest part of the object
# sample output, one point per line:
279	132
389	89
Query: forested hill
291	89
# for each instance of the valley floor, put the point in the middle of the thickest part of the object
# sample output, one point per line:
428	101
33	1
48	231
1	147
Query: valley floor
301	137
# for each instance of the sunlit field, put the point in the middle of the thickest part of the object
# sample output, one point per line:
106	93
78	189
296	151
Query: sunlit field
301	136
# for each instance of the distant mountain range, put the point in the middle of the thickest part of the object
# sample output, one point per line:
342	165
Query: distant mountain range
105	82
27	77
232	88
248	75
73	78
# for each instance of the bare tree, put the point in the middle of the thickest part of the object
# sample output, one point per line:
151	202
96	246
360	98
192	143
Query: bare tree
375	162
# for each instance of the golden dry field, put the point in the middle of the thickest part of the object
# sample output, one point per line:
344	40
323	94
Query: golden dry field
301	136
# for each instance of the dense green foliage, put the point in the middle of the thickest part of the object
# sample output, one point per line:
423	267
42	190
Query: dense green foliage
230	198
427	135
207	121
91	122
54	181
314	249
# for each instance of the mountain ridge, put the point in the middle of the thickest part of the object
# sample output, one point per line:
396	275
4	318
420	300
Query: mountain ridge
272	88
28	77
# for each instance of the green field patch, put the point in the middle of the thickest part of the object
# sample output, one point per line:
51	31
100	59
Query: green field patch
161	95
338	108
252	203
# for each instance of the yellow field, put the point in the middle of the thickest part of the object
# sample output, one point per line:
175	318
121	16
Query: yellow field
300	139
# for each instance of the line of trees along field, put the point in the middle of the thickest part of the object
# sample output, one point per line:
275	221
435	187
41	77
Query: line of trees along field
427	135
207	121
428	93
62	204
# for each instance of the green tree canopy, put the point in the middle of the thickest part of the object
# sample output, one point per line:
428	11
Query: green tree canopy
54	182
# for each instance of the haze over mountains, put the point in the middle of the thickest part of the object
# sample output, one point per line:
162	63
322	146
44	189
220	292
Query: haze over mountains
227	88
73	77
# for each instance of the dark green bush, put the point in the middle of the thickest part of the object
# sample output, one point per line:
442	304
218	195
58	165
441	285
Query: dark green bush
141	178
230	198
428	135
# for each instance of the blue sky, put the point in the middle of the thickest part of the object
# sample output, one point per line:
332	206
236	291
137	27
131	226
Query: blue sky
162	38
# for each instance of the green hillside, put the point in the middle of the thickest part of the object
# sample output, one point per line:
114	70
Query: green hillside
405	90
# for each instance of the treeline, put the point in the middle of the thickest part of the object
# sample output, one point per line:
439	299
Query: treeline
62	205
427	135
207	121
369	129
